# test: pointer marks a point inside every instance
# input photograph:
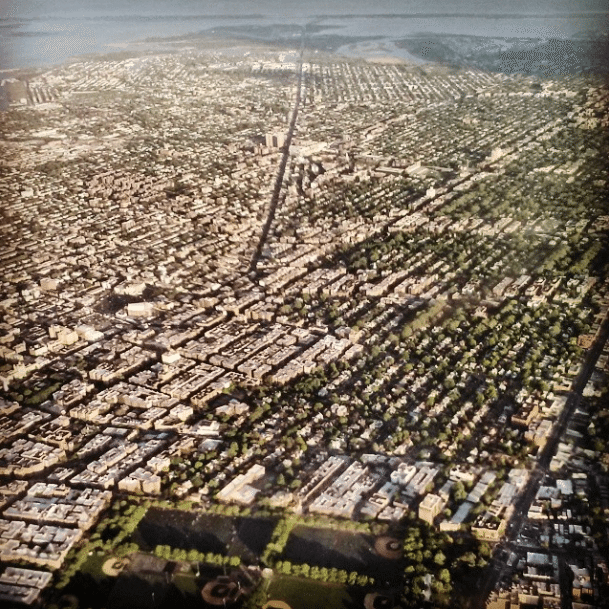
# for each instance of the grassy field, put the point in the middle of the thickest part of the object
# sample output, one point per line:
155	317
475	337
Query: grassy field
346	550
90	585
244	537
304	594
93	566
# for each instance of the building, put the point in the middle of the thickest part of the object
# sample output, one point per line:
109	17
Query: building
430	507
274	140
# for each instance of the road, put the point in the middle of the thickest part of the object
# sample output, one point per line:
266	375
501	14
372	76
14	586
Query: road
276	196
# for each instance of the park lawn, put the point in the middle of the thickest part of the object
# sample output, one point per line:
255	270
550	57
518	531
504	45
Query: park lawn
93	566
347	550
229	536
186	583
304	593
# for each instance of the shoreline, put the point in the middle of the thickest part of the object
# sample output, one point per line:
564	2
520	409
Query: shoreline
507	55
46	42
381	51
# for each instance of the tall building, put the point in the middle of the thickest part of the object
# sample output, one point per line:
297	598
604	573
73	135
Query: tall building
430	507
275	140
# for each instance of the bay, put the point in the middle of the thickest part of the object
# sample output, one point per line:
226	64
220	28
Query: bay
35	33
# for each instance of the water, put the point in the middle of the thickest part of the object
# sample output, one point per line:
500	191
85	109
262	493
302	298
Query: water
40	32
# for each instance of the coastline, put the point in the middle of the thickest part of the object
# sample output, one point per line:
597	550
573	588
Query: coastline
47	41
376	51
383	51
213	328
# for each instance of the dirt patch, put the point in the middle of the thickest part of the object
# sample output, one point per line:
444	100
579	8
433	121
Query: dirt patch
388	547
374	600
276	605
221	591
114	566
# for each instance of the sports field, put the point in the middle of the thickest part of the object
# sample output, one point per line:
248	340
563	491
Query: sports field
304	594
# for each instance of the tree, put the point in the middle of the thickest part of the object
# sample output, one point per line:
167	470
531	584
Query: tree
491	392
484	549
362	580
258	598
469	558
458	492
444	576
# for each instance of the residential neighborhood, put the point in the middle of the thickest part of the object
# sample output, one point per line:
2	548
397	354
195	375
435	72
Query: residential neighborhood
416	362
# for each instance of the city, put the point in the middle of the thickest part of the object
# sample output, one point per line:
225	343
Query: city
280	326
